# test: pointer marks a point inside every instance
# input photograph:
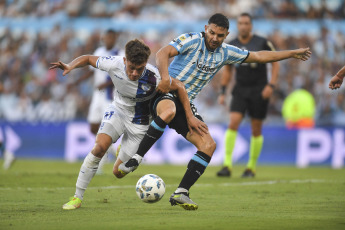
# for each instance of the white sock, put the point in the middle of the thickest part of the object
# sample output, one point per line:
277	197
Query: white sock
179	190
102	163
87	172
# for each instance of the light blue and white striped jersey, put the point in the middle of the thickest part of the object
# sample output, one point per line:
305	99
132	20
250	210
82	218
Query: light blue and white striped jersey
195	66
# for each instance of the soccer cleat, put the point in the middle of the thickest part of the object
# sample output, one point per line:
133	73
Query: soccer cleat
74	203
131	165
183	200
248	173
224	172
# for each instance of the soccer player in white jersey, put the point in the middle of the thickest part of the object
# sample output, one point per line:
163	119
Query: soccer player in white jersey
102	87
129	114
197	58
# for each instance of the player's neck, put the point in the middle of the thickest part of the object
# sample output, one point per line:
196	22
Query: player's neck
245	39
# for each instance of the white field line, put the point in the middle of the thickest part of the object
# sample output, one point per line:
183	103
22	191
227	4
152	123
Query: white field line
251	183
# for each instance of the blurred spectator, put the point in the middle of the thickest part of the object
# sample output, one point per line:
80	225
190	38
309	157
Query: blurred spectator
30	91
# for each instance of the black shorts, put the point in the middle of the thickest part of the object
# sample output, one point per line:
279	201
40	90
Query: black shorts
179	123
249	100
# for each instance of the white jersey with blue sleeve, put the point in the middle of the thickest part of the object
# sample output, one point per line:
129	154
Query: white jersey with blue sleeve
195	65
132	97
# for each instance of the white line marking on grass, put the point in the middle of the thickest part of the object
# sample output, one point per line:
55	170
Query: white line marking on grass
248	183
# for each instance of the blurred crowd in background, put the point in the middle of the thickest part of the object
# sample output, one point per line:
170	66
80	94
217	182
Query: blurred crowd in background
32	92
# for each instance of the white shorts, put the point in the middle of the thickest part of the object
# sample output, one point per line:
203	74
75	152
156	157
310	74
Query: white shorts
115	123
99	104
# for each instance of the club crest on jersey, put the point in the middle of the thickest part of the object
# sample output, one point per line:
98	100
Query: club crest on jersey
146	87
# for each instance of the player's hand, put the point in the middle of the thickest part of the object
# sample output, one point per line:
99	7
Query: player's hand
267	92
164	86
335	82
302	54
197	125
65	67
221	99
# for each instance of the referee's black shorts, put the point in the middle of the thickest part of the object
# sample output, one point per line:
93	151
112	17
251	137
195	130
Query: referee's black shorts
249	100
179	123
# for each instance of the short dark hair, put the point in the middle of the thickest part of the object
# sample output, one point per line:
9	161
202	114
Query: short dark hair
219	20
137	52
247	15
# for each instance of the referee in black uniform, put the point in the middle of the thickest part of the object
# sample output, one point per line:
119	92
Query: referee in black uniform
250	95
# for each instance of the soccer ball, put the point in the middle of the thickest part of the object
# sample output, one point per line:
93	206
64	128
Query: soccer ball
150	188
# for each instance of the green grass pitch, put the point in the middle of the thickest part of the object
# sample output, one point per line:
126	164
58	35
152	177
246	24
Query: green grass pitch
280	197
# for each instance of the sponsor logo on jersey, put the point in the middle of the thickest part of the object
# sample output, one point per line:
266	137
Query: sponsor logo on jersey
203	67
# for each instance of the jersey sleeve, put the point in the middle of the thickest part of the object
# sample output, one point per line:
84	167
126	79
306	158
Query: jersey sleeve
108	63
185	42
235	55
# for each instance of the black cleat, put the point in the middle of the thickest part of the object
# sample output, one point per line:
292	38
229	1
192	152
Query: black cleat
248	173
132	163
224	172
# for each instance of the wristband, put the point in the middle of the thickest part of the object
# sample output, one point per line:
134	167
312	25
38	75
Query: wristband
271	85
222	90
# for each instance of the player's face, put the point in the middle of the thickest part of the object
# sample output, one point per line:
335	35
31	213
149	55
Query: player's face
134	71
244	26
214	36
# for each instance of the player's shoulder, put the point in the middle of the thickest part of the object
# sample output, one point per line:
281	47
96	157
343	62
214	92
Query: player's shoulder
153	69
186	37
230	47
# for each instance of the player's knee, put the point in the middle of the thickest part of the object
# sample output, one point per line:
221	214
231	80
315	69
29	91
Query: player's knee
99	150
209	147
168	115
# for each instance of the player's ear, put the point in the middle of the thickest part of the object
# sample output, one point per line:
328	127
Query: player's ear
124	60
206	27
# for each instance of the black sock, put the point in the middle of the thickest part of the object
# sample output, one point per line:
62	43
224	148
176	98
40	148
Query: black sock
154	132
195	169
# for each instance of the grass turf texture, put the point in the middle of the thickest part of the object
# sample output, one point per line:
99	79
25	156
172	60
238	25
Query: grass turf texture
280	197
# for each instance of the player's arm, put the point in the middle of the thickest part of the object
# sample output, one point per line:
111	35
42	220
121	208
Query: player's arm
273	56
193	122
224	82
162	61
76	63
337	79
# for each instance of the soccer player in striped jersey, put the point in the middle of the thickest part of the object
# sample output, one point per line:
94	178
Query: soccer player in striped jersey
135	84
197	58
